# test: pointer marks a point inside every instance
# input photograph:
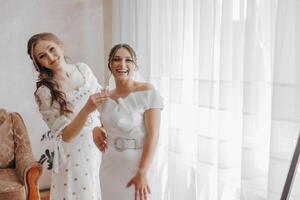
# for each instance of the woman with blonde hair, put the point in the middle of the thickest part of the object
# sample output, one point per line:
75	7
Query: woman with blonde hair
67	96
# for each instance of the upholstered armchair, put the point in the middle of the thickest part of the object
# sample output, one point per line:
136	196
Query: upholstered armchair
19	171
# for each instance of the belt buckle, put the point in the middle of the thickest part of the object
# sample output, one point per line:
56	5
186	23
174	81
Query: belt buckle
119	144
135	144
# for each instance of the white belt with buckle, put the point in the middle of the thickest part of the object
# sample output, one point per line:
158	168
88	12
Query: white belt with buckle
121	143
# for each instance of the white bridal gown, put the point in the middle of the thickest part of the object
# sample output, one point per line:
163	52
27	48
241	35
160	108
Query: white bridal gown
75	173
124	118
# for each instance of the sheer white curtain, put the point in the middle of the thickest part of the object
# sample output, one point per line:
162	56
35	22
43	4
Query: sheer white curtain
285	98
212	62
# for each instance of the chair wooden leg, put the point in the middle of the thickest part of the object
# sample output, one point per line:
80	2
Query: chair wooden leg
32	183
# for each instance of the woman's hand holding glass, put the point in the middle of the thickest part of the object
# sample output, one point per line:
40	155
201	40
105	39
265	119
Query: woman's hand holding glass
97	100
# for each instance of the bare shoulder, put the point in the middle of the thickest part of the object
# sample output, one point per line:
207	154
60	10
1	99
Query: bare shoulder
144	86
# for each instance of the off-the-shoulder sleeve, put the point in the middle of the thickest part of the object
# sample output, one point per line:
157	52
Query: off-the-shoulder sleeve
54	120
154	100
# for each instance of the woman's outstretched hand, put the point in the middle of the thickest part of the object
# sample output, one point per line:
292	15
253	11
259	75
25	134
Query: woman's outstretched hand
141	186
100	138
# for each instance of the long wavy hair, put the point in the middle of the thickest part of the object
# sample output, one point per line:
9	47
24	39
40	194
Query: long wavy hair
114	50
45	77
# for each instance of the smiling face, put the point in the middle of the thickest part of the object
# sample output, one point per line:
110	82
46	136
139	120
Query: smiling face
48	54
122	64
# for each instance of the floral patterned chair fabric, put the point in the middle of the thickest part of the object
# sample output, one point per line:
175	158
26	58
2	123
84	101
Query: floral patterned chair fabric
19	171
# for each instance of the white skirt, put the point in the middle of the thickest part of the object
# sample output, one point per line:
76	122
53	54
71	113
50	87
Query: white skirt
118	168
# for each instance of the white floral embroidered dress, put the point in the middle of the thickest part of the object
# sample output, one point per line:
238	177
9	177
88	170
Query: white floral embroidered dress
124	118
75	173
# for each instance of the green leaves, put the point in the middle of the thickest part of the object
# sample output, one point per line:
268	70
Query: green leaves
47	156
46	136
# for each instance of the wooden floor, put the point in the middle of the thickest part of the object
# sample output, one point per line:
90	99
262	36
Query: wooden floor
45	194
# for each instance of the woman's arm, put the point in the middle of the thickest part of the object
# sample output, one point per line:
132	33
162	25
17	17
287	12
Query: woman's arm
152	124
73	129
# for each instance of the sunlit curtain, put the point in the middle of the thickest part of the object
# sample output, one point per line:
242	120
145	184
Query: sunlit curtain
212	61
285	98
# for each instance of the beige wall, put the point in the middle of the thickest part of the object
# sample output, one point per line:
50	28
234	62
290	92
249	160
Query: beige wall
77	22
107	33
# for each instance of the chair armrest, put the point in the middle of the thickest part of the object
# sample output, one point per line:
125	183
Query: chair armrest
31	184
23	165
